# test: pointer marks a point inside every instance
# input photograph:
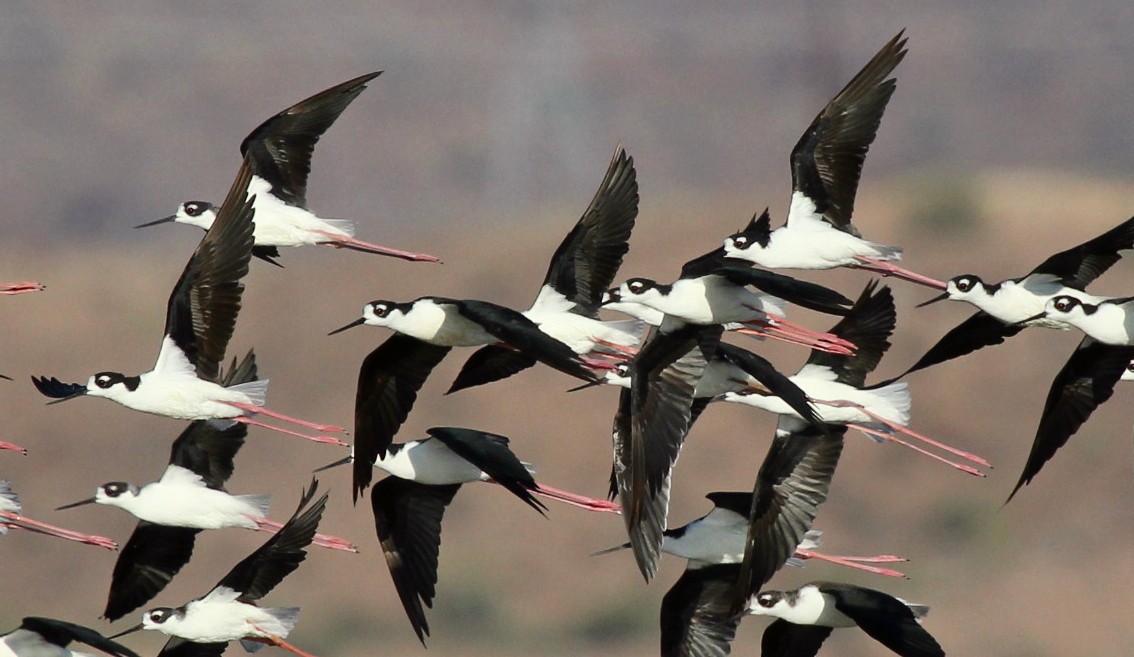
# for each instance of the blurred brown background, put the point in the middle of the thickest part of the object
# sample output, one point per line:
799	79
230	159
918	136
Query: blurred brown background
1008	139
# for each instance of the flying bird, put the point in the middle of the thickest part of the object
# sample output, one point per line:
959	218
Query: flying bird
826	164
229	611
806	616
200	318
23	287
279	153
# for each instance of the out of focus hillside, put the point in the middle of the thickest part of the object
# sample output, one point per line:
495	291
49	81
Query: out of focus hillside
1007	140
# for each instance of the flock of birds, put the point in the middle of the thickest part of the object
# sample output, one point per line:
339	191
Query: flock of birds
669	359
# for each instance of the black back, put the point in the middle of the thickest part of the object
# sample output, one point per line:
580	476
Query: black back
490	453
885	618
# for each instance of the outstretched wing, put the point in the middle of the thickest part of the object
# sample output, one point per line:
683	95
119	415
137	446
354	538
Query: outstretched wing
152	556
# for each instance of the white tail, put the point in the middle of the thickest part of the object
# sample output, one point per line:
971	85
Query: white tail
257	391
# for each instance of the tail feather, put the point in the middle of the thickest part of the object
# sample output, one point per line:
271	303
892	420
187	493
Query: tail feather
257	391
341	225
259	502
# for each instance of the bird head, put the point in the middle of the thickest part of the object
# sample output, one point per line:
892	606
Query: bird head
195	213
111	385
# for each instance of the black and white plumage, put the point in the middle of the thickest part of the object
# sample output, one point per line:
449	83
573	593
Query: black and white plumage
826	165
807	615
581	269
200	318
11	510
426	329
1007	307
713	289
229	611
1109	321
48	637
279	152
408	507
835	383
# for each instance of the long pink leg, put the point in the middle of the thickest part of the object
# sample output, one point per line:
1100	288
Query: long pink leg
14	447
764	330
342	242
889	269
21	288
260	410
322	540
620	348
244	419
598	364
849	563
909	432
887	436
16	520
581	501
277	641
789	325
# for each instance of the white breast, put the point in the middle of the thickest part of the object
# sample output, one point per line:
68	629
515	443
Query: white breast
430	462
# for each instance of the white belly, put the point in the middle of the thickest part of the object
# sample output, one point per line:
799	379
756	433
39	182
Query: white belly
195	507
430	462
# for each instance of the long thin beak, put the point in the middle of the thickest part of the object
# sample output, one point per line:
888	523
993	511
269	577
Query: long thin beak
89	500
940	297
70	396
163	220
589	384
336	464
125	632
357	322
1029	319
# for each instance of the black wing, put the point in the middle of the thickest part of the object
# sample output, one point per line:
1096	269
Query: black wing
885	618
827	160
55	388
388	382
1079	265
152	556
793	481
489	364
663	378
490	453
696	616
280	148
977	332
407	517
262	570
61	633
587	260
868	326
178	647
784	639
775	381
802	293
203	306
1086	381
512	328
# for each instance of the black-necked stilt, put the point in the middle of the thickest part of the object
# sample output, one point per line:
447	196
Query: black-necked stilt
582	268
199	322
279	151
11	508
1086	380
713	289
807	615
22	287
650	426
1007	307
1109	321
826	164
408	506
835	383
189	497
229	612
428	328
48	637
